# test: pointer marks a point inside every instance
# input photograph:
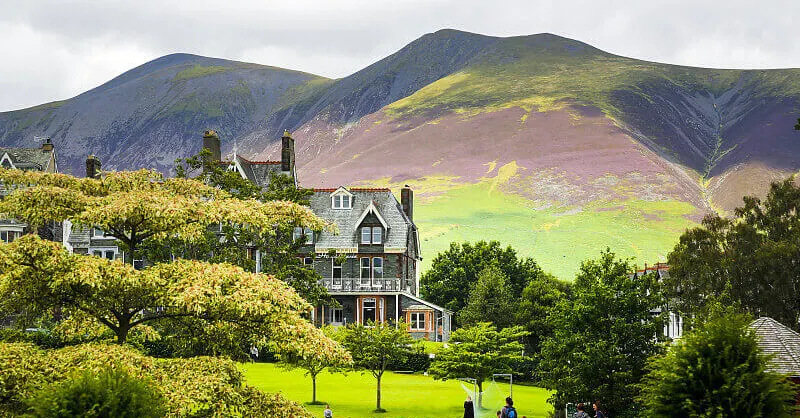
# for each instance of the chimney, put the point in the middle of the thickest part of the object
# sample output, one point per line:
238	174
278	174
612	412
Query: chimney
287	152
407	201
47	145
211	142
92	167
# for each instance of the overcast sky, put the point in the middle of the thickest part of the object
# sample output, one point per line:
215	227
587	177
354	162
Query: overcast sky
53	50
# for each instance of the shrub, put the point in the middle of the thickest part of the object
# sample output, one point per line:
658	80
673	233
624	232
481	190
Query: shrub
111	393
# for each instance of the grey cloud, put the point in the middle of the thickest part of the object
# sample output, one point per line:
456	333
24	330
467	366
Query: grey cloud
61	44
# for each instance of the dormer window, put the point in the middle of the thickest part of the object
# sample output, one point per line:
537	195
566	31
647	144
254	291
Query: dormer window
341	202
98	233
341	199
371	235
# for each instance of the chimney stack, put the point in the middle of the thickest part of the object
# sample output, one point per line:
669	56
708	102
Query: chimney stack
211	142
287	152
92	167
407	201
47	145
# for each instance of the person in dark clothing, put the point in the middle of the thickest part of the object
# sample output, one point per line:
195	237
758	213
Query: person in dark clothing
508	411
581	412
598	413
469	409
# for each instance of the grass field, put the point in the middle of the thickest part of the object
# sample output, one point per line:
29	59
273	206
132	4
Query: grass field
557	238
404	396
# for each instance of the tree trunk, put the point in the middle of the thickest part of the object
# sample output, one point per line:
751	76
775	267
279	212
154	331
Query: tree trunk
313	388
479	395
122	330
379	394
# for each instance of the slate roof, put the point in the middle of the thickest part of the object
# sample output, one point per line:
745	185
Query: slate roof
400	228
256	171
29	158
781	343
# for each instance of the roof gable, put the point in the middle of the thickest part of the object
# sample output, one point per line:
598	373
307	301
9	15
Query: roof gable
372	209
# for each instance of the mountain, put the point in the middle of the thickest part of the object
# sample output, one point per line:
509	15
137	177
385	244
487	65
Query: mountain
545	143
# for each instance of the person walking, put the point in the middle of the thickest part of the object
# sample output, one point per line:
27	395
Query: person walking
598	413
581	413
328	413
469	408
253	353
508	411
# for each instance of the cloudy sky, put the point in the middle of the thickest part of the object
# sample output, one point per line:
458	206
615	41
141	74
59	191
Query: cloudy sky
53	50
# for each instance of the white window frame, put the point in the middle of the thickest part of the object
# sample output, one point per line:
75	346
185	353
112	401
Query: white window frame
336	281
8	234
366	235
297	232
337	312
365	281
309	234
374	270
341	200
364	301
414	322
102	252
379	235
96	235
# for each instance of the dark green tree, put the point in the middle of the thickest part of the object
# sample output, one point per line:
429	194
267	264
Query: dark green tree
454	271
538	303
477	352
753	260
374	346
603	336
716	370
490	300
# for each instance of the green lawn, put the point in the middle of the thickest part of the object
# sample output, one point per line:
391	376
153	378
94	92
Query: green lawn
404	396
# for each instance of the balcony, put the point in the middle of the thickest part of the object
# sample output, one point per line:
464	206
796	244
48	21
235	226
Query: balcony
356	285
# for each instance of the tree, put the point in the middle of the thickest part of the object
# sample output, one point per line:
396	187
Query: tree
140	205
537	305
453	272
477	352
603	336
313	366
490	300
40	275
374	346
716	370
752	259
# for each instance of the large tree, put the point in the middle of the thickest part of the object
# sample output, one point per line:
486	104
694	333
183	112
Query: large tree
490	300
454	271
374	346
538	303
716	370
478	352
39	276
137	206
313	366
603	336
753	260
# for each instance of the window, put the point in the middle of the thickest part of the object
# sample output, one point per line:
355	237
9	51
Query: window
341	202
336	272
308	261
9	236
417	321
365	272
98	233
377	268
337	317
97	253
110	254
371	235
368	310
303	233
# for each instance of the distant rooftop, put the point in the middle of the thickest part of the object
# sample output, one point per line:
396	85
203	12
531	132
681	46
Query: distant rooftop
781	343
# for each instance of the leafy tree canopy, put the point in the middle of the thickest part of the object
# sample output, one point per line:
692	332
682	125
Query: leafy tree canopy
603	336
490	300
38	276
454	271
716	370
477	352
752	260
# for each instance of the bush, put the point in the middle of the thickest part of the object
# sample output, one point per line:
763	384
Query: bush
195	387
415	362
111	393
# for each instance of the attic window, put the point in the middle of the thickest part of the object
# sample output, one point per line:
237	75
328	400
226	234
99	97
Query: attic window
342	201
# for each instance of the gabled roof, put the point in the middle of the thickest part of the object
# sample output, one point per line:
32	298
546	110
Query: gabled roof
257	172
28	158
781	343
364	201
